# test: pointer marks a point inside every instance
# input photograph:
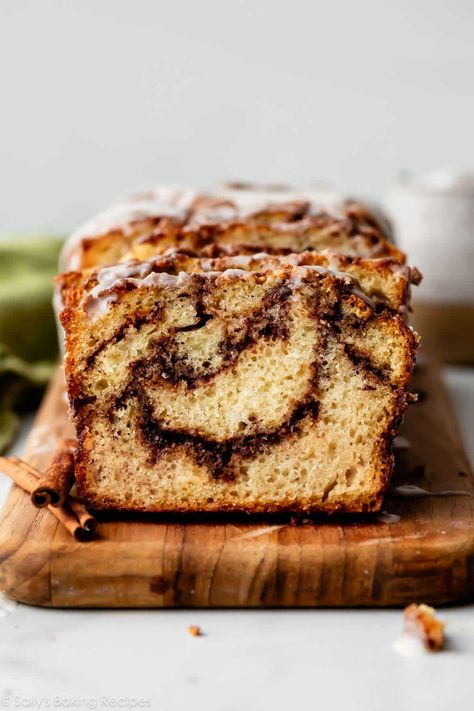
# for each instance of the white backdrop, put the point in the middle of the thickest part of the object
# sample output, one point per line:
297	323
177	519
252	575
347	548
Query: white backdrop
98	96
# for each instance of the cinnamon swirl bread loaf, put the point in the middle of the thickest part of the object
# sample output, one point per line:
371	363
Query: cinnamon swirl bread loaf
258	384
147	224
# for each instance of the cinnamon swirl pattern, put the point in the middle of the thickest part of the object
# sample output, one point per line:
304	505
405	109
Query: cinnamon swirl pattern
225	384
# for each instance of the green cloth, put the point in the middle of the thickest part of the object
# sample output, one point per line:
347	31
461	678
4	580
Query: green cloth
28	340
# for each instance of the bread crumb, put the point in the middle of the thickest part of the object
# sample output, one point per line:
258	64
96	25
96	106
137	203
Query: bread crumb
420	621
195	631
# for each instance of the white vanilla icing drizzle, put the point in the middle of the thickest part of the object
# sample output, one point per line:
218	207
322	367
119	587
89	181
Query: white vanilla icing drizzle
142	274
246	260
225	204
303	269
212	214
232	273
110	276
333	266
157	202
96	302
250	200
161	279
294	260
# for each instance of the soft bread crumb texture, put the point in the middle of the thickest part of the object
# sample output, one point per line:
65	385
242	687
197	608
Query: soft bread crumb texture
257	392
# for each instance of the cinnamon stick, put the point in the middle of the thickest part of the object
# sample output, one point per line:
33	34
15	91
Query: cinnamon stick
25	479
87	521
55	485
23	475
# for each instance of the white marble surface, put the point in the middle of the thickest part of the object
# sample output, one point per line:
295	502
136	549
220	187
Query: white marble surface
246	660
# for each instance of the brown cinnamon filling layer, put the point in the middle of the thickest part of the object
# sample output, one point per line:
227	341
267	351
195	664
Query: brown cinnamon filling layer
132	323
218	456
267	321
362	360
164	362
270	321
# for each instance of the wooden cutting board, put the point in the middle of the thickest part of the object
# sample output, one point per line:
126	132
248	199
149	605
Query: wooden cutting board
236	561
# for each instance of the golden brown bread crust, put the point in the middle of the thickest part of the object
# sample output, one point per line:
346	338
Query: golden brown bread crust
326	257
384	280
139	361
149	223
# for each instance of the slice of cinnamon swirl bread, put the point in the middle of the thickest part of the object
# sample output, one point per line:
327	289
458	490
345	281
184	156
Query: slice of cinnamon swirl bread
149	223
385	281
200	385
